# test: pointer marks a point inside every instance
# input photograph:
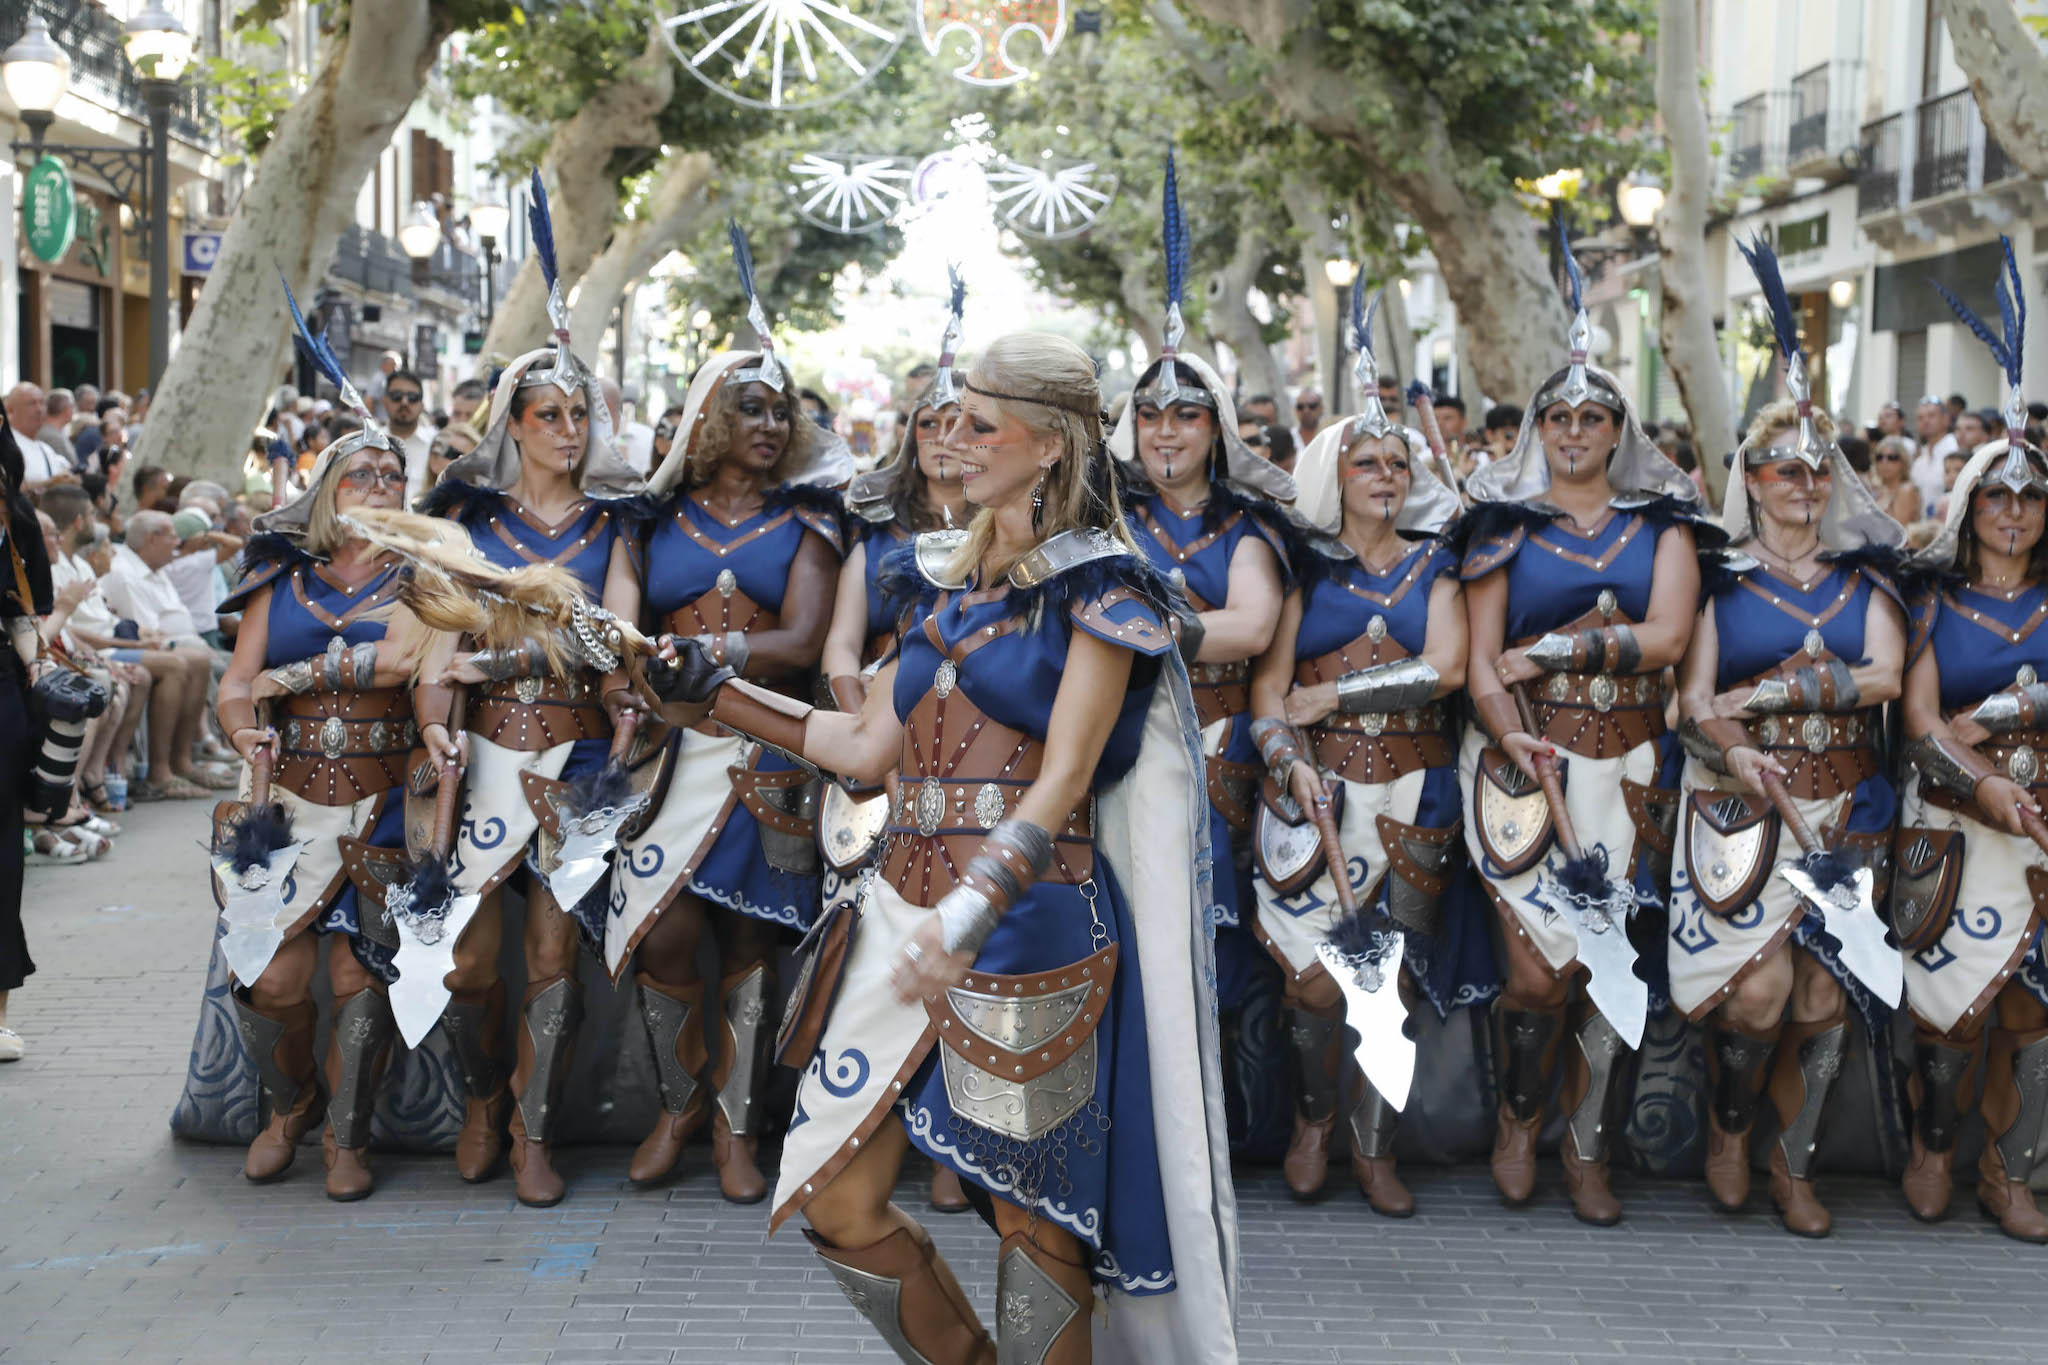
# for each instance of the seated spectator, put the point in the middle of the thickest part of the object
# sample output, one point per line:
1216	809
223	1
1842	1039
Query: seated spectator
40	465
152	614
58	409
151	483
74	575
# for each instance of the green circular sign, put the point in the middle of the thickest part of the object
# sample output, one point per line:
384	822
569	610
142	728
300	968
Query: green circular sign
49	212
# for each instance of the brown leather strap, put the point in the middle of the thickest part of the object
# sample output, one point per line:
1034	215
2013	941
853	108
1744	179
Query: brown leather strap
1498	714
758	720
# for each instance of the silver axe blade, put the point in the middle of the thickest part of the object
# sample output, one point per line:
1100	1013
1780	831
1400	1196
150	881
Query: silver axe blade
1373	1008
1609	957
587	844
426	954
253	910
1851	917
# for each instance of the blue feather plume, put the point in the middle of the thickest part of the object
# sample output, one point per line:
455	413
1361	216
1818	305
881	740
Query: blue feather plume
959	301
1763	263
1362	315
314	348
742	256
543	228
1571	268
1177	240
2007	350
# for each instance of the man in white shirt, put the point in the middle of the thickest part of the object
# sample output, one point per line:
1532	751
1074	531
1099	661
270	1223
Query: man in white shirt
40	465
405	400
139	589
1937	443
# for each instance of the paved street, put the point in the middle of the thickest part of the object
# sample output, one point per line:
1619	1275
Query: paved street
119	1244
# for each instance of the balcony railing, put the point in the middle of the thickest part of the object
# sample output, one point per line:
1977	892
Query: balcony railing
1808	135
1877	189
99	68
1941	144
1750	117
370	259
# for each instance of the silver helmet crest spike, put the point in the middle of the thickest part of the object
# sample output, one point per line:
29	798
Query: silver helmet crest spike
1812	451
769	371
565	372
1580	385
1166	388
2016	471
1372	418
945	385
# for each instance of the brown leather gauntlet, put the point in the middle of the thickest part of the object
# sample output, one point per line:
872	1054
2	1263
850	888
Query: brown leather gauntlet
1498	715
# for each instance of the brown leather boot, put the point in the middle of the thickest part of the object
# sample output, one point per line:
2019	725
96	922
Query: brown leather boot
1798	1206
1514	1157
673	1017
1525	1055
551	1011
1317	1035
1382	1187
281	1045
1727	1166
1809	1060
947	1194
905	1288
1043	1303
474	1026
358	1047
742	1065
2015	1102
1373	1122
1941	1093
1738	1062
348	1170
1597	1059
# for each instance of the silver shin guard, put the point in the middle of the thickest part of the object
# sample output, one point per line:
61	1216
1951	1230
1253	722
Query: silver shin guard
1373	1122
551	1021
666	1017
745	1008
1314	1038
2018	1145
261	1035
362	1032
1820	1062
462	1024
1031	1309
1602	1049
1939	1115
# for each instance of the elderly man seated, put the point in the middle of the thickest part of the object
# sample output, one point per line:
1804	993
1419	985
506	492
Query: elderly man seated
142	590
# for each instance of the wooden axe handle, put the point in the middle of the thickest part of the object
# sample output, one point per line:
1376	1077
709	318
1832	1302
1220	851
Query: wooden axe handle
1550	779
1788	812
264	764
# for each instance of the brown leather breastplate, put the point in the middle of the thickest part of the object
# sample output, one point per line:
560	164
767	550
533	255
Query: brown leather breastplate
532	714
335	748
1374	746
1597	715
963	774
722	609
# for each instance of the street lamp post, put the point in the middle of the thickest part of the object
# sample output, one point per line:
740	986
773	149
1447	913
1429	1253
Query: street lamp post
1557	187
37	72
490	218
1341	273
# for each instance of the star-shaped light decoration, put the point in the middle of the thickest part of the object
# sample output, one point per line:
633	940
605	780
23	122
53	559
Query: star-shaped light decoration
785	54
850	194
1059	200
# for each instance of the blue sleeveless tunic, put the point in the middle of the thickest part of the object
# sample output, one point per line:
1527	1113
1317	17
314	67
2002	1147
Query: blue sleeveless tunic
690	553
1199	546
1097	1175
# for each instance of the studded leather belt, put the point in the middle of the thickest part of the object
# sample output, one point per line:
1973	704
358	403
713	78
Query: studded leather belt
531	714
1380	746
936	827
1600	715
1221	691
335	748
1824	753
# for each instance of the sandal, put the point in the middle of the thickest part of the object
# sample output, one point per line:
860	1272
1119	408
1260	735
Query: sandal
54	850
170	789
215	779
11	1045
92	845
95	794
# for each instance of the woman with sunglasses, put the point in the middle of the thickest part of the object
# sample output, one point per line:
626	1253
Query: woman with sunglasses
326	652
1891	478
1971	882
1580	587
1800	640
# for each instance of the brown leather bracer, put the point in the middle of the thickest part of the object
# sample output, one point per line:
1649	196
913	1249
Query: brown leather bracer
1597	715
1376	746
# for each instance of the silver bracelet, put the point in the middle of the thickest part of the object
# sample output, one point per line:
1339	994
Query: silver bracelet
966	919
1555	652
2012	710
330	664
363	660
1628	654
296	678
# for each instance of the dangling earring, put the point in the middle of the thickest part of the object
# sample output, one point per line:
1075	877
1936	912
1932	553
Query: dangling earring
1038	501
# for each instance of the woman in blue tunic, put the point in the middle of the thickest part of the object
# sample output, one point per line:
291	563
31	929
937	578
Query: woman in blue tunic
744	559
1971	882
1027	993
1368	647
917	491
544	486
1580	587
1801	637
318	652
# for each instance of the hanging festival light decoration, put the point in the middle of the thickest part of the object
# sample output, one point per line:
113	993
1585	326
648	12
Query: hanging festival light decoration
1051	202
785	54
850	194
986	27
